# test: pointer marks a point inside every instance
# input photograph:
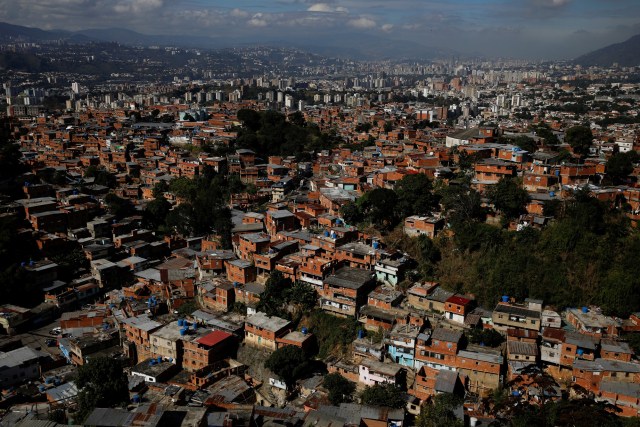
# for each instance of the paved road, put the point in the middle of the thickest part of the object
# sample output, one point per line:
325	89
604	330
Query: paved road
36	338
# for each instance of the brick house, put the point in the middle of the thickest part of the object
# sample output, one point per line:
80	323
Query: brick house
346	290
263	331
206	350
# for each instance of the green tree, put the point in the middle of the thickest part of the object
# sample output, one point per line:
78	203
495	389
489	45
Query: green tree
118	206
440	412
580	139
340	389
10	164
620	166
526	143
102	384
488	337
274	296
302	296
100	176
155	213
378	207
415	195
385	394
509	197
289	362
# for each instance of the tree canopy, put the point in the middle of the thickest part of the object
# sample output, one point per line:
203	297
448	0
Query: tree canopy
386	394
270	133
102	384
289	362
340	389
580	139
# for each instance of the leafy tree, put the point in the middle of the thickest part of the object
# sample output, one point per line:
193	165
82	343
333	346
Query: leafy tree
509	197
388	127
440	412
118	206
10	164
462	204
187	308
297	119
155	213
289	362
386	394
102	384
415	196
488	337
340	389
580	139
378	206
428	255
302	296
550	138
101	176
526	143
620	166
334	334
274	296
351	213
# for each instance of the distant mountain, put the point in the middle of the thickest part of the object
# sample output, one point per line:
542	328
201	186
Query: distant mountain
16	32
335	45
626	54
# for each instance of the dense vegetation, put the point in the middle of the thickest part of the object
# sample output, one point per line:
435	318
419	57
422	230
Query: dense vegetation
284	298
340	389
585	256
384	394
202	209
271	133
334	334
102	384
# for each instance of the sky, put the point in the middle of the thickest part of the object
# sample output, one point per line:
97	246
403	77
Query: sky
537	29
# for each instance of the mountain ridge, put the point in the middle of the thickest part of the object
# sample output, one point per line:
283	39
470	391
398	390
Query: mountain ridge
625	54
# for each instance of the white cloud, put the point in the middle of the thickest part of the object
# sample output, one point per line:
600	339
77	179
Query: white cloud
137	6
239	13
326	8
362	23
258	20
387	28
552	3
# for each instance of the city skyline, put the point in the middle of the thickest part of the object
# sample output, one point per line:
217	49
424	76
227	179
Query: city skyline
536	29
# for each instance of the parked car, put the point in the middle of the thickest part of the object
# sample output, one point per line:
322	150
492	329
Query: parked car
56	331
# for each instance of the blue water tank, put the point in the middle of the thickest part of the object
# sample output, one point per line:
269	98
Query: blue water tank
326	233
180	322
136	398
48	380
333	235
557	172
505	298
338	221
304	331
183	331
585	309
159	359
360	333
580	352
152	362
552	194
236	284
41	388
194	327
376	245
515	393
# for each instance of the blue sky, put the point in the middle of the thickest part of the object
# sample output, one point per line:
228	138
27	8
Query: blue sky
506	28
